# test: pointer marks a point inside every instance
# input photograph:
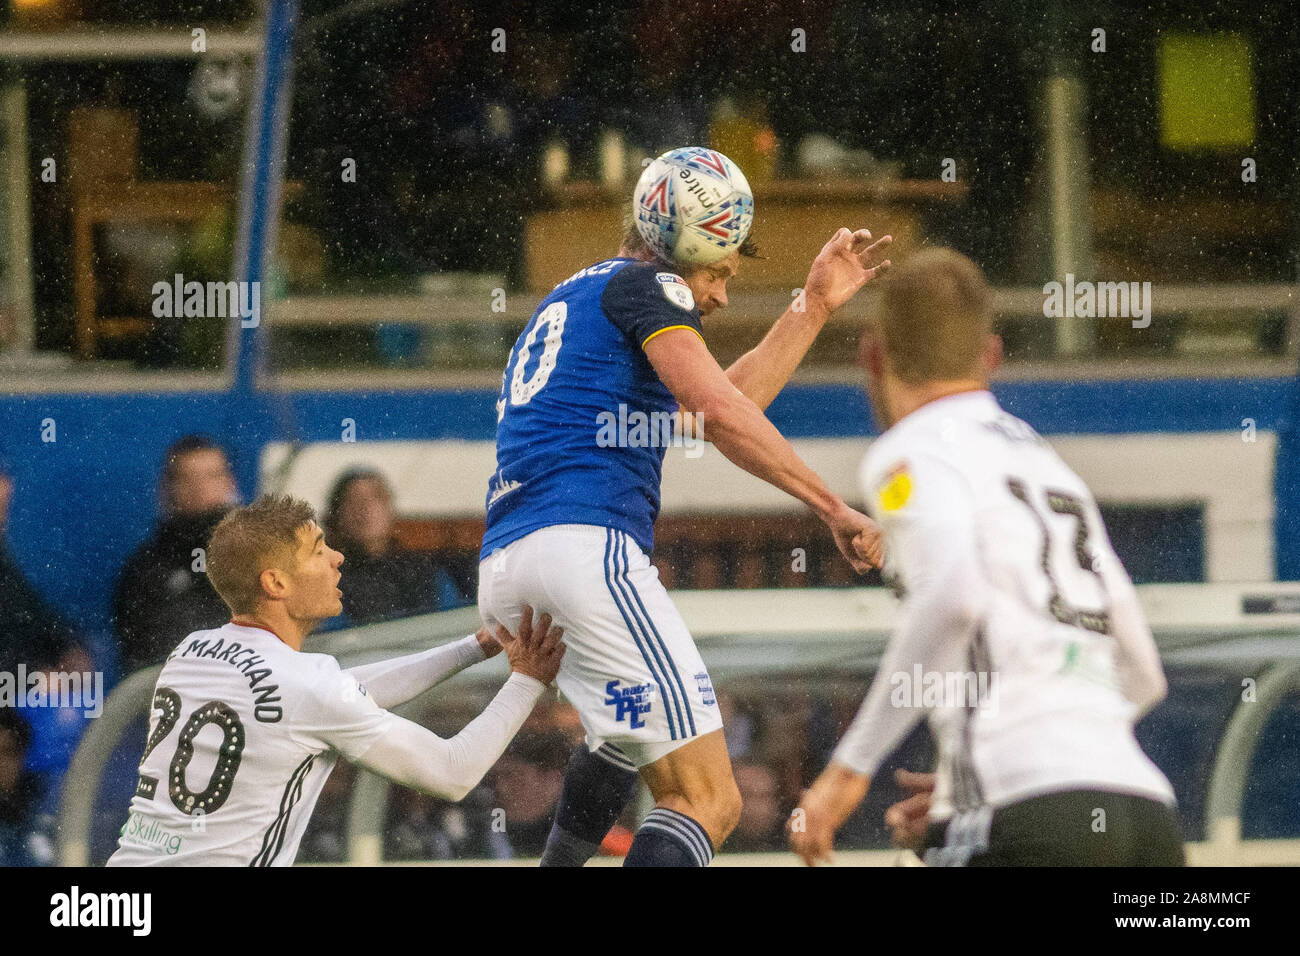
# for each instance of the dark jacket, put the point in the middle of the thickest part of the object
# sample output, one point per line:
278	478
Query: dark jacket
160	597
395	584
31	633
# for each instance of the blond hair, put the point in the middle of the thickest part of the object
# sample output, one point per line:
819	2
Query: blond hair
934	313
249	540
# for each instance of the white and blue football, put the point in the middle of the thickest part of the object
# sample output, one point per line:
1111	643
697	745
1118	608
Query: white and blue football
693	206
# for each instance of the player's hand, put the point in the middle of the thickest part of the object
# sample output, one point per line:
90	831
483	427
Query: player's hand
908	818
536	651
848	262
490	646
822	810
858	538
870	544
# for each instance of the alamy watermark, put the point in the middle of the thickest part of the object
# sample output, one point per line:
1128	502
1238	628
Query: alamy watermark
179	299
42	688
1087	300
638	429
133	911
930	690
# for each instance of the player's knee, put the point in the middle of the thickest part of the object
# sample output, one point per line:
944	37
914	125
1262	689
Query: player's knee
716	808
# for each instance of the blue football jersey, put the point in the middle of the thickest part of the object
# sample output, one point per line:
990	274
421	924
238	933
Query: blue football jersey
583	419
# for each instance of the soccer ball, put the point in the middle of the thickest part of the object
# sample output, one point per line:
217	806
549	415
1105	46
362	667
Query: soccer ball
693	206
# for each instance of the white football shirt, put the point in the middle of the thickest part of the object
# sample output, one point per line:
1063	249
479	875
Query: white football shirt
1020	634
243	733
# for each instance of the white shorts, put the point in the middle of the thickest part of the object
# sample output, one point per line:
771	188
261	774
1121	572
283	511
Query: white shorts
631	669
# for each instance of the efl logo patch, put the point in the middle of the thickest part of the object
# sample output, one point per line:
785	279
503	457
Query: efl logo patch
676	290
895	492
630	703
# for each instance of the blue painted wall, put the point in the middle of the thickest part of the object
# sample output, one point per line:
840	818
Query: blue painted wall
1287	484
83	502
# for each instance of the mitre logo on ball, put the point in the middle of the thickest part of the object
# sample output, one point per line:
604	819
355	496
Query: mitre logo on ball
693	206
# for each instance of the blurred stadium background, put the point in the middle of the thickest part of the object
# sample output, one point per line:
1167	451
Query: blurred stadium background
406	179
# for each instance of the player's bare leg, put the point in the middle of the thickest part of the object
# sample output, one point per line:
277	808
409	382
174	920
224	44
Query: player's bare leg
694	782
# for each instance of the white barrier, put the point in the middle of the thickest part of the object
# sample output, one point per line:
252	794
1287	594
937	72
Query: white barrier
1232	478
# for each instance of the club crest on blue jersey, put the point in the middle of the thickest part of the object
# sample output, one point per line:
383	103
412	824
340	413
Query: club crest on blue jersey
631	702
705	686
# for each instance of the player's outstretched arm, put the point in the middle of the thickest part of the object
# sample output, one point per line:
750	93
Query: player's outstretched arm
934	532
822	810
739	429
415	757
393	682
847	262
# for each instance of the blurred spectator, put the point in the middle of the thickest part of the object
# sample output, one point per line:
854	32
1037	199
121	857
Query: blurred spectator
527	781
762	815
422	827
428	120
381	581
550	107
31	632
739	726
163	593
25	834
416	829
